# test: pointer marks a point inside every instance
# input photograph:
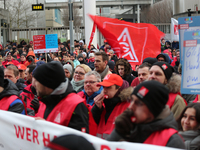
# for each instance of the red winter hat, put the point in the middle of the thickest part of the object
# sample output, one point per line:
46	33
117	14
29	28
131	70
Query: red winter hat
21	67
111	79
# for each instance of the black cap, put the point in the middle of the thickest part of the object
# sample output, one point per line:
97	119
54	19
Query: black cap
70	142
166	68
50	74
153	94
150	60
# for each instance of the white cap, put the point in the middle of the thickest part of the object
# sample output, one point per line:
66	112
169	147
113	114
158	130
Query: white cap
91	55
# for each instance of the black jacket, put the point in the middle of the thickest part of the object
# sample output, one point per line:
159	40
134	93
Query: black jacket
142	131
109	106
80	117
129	78
11	89
20	85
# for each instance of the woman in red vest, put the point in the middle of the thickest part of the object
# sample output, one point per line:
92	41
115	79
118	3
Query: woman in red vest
189	125
148	120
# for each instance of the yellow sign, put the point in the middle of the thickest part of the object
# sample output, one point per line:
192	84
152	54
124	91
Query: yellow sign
37	7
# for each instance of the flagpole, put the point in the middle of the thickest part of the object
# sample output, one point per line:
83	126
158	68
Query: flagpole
138	13
70	3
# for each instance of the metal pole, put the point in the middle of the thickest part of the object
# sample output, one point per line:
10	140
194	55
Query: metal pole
138	13
70	3
5	4
99	31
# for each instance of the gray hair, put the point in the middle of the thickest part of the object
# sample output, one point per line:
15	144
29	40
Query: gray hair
111	51
177	50
96	74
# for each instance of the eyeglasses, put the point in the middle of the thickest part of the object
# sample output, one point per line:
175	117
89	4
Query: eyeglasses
79	73
90	82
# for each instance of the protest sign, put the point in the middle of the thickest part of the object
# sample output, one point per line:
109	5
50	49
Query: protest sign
20	132
174	30
186	24
191	63
45	43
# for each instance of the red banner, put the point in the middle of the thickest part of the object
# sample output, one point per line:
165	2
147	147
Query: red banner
39	42
92	35
133	41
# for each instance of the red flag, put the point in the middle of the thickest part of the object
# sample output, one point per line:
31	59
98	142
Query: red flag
133	41
92	35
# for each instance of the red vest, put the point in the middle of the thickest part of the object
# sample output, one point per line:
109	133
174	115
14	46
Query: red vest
103	129
160	138
30	96
62	112
6	101
172	97
196	99
92	123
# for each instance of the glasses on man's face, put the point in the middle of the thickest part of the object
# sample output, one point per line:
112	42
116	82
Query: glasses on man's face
79	73
90	82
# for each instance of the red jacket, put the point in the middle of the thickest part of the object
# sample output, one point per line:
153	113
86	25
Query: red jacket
60	115
104	129
15	62
160	138
31	53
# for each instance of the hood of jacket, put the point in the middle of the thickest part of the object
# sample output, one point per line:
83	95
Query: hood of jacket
125	94
9	89
30	53
164	120
174	83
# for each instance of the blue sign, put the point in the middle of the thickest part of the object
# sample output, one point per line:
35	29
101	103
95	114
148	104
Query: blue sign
51	41
186	24
191	63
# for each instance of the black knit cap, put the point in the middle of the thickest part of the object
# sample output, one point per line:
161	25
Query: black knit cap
50	74
153	94
150	60
70	142
1	77
166	68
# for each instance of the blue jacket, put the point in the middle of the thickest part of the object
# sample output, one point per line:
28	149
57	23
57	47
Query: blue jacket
76	63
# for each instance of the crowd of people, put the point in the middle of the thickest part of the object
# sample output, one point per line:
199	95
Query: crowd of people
94	91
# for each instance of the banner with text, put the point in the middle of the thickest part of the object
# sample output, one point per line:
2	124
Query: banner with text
19	132
191	60
186	24
45	43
